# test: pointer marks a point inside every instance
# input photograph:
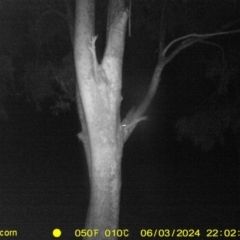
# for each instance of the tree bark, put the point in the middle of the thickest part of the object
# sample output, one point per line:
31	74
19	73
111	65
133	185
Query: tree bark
99	98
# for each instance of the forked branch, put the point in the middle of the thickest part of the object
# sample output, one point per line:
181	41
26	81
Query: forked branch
136	115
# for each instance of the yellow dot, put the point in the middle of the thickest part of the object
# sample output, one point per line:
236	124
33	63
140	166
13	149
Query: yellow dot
57	232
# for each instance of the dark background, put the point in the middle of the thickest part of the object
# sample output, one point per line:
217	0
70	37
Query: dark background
165	183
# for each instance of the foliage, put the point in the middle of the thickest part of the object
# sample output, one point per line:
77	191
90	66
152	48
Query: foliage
42	82
222	112
66	82
38	83
205	128
7	84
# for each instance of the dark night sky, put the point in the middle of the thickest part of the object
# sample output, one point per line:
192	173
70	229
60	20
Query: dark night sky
165	183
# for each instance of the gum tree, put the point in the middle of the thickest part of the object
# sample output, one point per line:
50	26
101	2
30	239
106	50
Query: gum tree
98	103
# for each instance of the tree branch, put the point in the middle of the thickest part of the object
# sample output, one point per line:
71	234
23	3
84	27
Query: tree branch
136	115
196	38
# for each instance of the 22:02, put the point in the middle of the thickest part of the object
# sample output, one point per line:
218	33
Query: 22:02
221	233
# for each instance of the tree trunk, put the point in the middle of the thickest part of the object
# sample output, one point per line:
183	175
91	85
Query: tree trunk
98	101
